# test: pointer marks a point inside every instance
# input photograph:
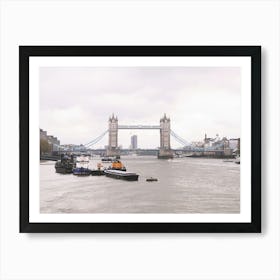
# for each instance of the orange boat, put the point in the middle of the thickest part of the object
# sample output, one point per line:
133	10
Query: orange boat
117	165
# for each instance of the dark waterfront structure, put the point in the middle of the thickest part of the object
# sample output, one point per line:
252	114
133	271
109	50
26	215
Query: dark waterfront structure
52	143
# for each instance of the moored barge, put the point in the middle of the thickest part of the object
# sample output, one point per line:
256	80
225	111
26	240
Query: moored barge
118	174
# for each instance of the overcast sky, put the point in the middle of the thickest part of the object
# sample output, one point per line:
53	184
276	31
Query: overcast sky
76	102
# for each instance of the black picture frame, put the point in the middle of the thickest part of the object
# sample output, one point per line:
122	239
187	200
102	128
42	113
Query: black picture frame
25	52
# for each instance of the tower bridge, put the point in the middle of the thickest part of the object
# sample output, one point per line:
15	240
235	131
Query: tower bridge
164	128
165	132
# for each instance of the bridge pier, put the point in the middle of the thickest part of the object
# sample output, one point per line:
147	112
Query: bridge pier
165	154
165	151
113	149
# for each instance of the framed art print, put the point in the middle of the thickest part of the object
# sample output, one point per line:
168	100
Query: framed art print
140	138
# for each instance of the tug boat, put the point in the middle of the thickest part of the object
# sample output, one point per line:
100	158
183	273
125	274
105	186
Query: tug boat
81	168
65	165
119	174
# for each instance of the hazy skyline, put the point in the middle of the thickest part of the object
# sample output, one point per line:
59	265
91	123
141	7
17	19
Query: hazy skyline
76	102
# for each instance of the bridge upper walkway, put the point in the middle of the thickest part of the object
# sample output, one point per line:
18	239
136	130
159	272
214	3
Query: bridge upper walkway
138	126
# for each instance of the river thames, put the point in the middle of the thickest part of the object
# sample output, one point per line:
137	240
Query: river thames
185	185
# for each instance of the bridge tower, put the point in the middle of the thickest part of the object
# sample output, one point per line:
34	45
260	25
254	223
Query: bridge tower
165	147
112	149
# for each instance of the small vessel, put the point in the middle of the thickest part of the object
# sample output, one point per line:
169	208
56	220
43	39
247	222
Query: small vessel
151	179
237	159
118	174
107	159
117	165
81	168
99	171
65	165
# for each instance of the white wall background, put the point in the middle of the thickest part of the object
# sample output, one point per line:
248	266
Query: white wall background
139	256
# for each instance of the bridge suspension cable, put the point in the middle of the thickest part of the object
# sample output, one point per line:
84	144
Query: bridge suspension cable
179	139
96	140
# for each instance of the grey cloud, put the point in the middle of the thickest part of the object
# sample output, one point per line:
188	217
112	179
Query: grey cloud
198	99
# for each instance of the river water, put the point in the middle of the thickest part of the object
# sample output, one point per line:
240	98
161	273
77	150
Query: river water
185	185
